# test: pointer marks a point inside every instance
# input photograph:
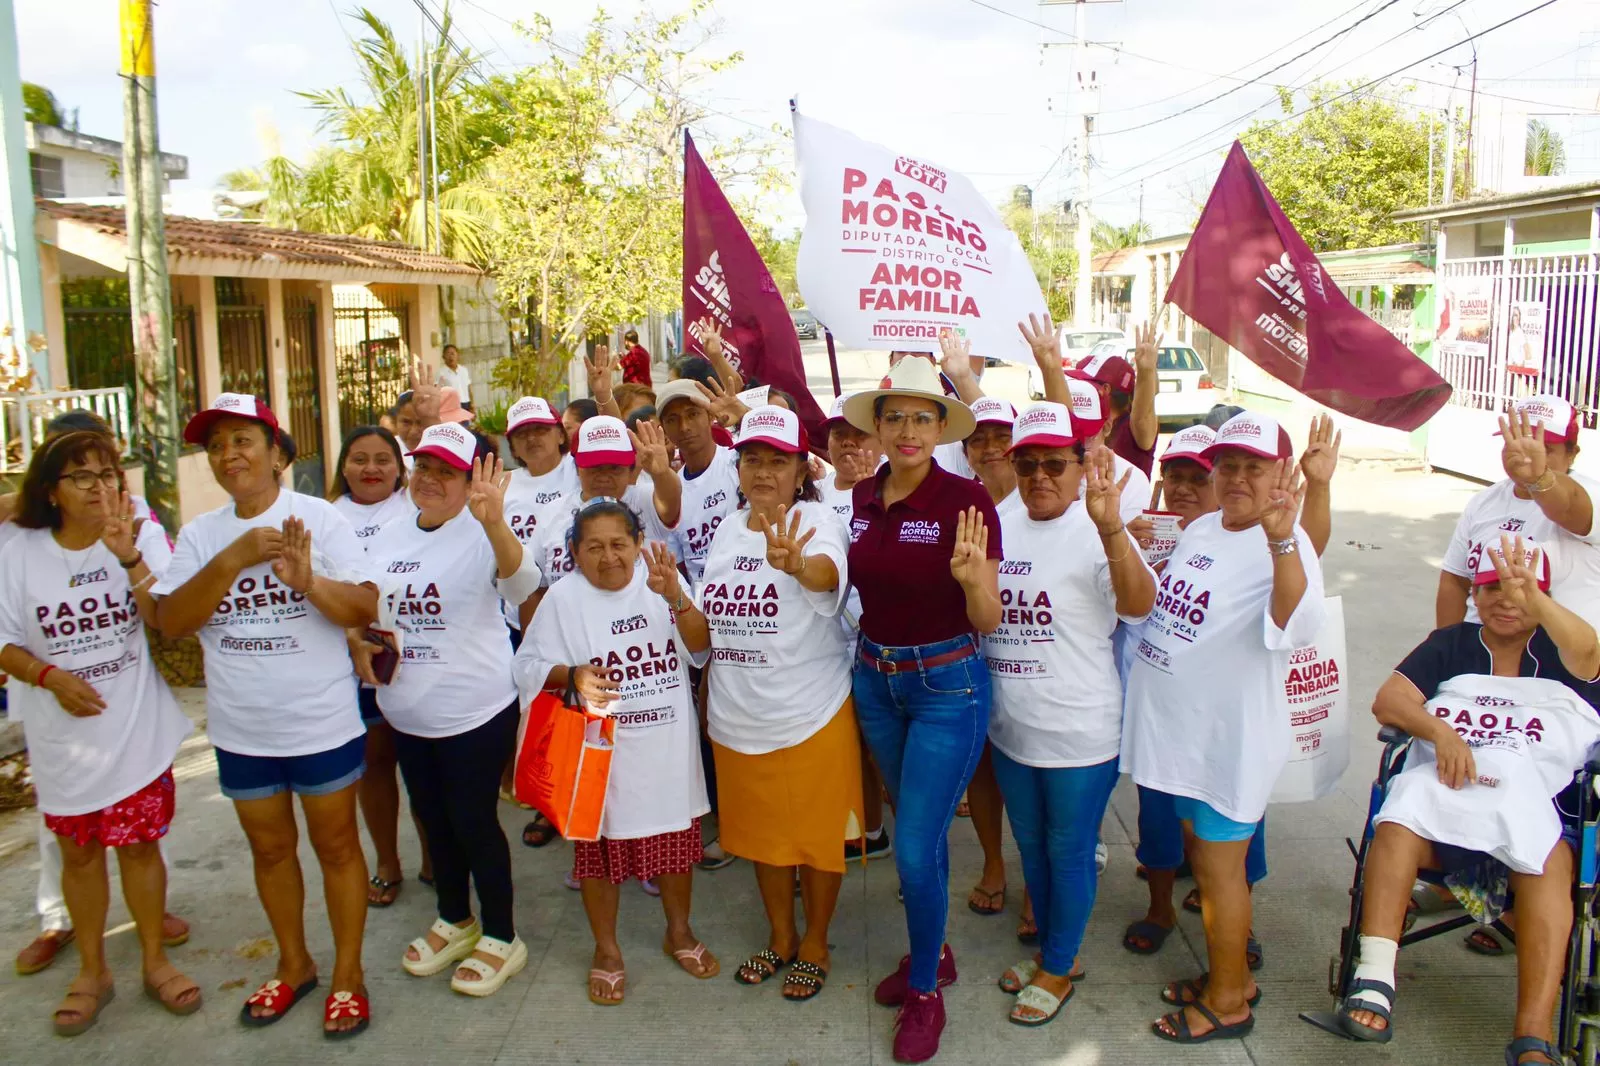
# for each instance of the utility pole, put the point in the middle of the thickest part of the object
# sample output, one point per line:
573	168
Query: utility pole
149	289
21	292
433	144
422	132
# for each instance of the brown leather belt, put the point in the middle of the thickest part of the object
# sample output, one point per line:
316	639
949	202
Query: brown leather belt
944	658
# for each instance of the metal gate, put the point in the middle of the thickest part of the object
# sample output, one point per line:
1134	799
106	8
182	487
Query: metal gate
99	339
305	395
1567	288
373	357
242	341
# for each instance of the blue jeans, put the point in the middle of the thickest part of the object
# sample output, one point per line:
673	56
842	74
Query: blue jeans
1161	837
926	728
1055	817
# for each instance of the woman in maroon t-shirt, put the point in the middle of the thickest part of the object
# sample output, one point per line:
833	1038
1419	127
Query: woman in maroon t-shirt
924	555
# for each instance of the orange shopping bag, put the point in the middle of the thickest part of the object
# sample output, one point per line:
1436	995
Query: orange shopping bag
564	763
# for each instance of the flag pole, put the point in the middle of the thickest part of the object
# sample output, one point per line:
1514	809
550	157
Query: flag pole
833	363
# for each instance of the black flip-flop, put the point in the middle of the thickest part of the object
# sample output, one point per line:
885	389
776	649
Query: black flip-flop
1181	1033
1155	935
383	887
1357	1030
1197	985
1479	947
1253	955
538	833
991	897
1191	901
766	955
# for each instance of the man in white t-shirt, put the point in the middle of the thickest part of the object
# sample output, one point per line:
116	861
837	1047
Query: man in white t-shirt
1541	497
710	472
452	375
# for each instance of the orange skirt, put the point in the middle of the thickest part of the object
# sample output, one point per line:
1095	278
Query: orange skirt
790	807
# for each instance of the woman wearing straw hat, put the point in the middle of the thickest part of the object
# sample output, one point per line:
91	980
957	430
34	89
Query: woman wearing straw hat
924	554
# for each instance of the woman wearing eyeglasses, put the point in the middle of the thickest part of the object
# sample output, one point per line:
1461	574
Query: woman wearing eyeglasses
1071	573
924	554
102	728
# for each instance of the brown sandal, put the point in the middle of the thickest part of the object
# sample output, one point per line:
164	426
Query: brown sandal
85	1002
159	986
39	954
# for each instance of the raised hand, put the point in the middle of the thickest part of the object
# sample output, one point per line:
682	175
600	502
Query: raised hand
1523	455
1043	340
117	532
852	465
662	573
425	394
1283	501
650	446
595	686
726	407
786	548
971	552
710	333
259	545
1144	349
486	493
75	695
955	355
1321	457
293	565
816	468
1517	570
599	370
1102	491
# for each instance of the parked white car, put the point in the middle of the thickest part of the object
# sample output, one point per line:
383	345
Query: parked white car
1075	345
1185	392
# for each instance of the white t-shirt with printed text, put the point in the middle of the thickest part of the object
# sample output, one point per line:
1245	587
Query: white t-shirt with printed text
1574	560
278	675
75	610
455	672
1057	695
367	518
657	784
526	496
554	523
781	662
708	497
842	503
1204	712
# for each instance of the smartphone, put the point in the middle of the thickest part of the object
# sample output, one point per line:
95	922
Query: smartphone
386	660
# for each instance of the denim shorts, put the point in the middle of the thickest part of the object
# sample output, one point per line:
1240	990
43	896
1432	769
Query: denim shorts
367	700
253	777
1210	825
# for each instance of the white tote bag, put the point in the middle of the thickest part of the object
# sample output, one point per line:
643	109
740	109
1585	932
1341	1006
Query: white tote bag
1317	702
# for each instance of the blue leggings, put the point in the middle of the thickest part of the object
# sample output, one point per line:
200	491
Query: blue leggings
926	728
1161	837
1055	817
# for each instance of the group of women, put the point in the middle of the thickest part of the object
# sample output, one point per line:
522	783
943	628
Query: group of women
895	620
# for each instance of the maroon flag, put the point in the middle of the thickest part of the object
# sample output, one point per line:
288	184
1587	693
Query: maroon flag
1249	278
724	278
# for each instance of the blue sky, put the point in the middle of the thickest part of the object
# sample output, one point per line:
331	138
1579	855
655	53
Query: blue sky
968	83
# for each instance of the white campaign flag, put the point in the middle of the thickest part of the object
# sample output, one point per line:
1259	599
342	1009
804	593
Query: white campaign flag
896	251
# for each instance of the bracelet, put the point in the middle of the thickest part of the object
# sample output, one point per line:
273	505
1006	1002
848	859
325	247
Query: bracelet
1125	553
1543	483
681	604
137	559
148	578
1282	547
44	672
805	561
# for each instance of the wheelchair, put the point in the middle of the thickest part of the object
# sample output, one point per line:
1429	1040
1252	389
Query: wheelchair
1578	1028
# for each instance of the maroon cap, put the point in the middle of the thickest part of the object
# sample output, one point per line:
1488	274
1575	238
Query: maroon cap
1110	370
229	405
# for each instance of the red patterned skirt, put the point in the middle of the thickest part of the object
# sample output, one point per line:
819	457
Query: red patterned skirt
141	818
618	860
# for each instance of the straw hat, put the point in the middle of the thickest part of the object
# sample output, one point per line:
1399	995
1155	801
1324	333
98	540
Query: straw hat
918	378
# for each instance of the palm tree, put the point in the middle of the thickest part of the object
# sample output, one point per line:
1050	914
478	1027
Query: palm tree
1108	238
1546	153
369	181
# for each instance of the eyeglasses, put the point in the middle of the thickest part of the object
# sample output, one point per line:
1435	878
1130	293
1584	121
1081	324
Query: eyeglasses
1052	467
84	480
921	419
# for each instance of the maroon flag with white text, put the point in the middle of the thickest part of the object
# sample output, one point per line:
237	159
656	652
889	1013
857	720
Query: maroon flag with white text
725	278
1249	278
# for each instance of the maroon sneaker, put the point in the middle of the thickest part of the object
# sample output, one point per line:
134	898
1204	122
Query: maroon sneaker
919	1026
891	991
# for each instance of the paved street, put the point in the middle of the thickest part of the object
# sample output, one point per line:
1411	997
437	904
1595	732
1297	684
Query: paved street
1455	1007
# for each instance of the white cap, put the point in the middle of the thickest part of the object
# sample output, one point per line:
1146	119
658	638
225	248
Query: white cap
530	411
1560	418
603	441
1045	425
450	442
1088	410
836	412
1191	444
993	409
1253	433
775	426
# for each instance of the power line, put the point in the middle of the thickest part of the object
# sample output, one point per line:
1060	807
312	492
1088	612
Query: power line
1387	4
1160	157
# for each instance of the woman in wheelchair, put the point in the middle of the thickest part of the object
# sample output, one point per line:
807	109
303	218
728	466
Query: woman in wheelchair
1506	710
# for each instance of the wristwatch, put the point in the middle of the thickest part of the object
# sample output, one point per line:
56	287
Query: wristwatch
1283	547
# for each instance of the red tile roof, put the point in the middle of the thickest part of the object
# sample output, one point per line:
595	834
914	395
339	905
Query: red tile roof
203	238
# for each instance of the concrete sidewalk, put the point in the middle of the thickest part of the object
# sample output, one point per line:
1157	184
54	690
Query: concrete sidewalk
1455	1007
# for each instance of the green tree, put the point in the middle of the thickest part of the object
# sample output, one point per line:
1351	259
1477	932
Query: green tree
1047	240
1344	167
1545	154
781	254
1107	237
39	105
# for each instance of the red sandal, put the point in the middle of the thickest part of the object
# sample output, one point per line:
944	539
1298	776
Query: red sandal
276	997
341	1005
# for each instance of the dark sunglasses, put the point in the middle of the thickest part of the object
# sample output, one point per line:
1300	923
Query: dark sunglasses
1052	467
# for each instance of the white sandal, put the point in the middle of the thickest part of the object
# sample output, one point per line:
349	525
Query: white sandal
514	956
459	942
1024	972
